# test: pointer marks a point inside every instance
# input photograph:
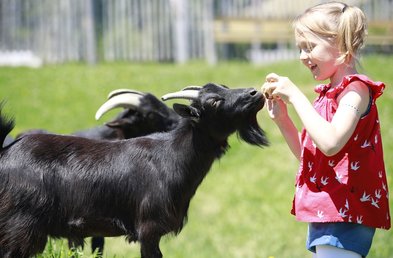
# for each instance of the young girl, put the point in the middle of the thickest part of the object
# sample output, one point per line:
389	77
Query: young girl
341	186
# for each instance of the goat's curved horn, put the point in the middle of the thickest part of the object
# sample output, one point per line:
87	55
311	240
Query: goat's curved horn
193	87
125	100
189	92
121	91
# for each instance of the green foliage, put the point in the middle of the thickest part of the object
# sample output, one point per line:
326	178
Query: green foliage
59	249
242	207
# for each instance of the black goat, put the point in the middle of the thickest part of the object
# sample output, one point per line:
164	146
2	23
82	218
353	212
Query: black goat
143	114
67	186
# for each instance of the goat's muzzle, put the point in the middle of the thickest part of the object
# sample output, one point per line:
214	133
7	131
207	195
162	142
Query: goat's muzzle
258	100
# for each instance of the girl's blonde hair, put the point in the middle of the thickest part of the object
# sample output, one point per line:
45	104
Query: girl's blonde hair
336	22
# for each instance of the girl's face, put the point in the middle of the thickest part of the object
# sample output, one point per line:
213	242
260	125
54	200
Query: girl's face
320	56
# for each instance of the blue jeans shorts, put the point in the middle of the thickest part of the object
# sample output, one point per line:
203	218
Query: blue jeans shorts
349	236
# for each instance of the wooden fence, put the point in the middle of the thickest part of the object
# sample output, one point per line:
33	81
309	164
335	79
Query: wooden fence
60	31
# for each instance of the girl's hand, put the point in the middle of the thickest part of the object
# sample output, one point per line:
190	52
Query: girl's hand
278	87
277	109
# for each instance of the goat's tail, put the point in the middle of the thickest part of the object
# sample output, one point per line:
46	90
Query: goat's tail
6	125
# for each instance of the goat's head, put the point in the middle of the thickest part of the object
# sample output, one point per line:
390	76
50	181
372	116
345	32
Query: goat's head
222	111
143	113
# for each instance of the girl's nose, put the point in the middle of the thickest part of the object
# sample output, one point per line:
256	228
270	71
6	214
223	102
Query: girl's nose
303	55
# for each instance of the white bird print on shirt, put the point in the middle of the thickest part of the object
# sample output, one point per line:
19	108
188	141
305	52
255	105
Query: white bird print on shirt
365	197
320	214
366	144
346	204
356	137
324	180
376	139
313	179
359	219
378	193
374	202
342	212
339	178
331	163
310	164
355	165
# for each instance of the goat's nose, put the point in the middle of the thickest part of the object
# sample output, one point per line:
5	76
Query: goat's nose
253	92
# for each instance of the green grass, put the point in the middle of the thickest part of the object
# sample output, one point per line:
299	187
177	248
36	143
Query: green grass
242	207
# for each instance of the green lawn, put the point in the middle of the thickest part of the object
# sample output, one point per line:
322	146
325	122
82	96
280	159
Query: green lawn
242	207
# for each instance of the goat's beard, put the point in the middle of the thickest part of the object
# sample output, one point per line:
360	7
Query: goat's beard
253	134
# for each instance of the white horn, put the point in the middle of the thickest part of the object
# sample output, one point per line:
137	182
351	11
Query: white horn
189	92
193	87
121	91
124	100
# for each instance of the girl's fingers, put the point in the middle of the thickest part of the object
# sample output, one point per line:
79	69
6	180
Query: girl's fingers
269	86
272	77
270	91
267	90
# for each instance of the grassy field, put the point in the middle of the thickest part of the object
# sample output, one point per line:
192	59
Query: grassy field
242	207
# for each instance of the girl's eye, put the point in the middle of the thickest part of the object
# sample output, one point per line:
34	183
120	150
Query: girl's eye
306	47
306	50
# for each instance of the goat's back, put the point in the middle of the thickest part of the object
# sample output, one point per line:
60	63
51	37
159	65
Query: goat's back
76	175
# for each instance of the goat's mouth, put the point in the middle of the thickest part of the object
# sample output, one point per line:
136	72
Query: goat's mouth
257	102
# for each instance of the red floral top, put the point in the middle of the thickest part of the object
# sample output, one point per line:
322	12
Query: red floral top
350	186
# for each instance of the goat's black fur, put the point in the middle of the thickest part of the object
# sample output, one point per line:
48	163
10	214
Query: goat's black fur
67	186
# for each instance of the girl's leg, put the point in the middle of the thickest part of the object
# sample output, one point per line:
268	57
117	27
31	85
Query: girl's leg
327	251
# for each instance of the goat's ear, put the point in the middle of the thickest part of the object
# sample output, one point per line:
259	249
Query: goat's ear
186	111
119	123
114	124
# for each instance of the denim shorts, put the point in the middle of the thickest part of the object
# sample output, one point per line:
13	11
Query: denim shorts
349	236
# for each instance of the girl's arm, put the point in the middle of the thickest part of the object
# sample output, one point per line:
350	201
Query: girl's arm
329	137
278	112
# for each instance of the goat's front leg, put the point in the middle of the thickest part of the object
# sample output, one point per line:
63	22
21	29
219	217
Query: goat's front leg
151	249
150	242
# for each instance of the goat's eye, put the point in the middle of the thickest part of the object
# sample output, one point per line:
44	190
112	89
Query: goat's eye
215	102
